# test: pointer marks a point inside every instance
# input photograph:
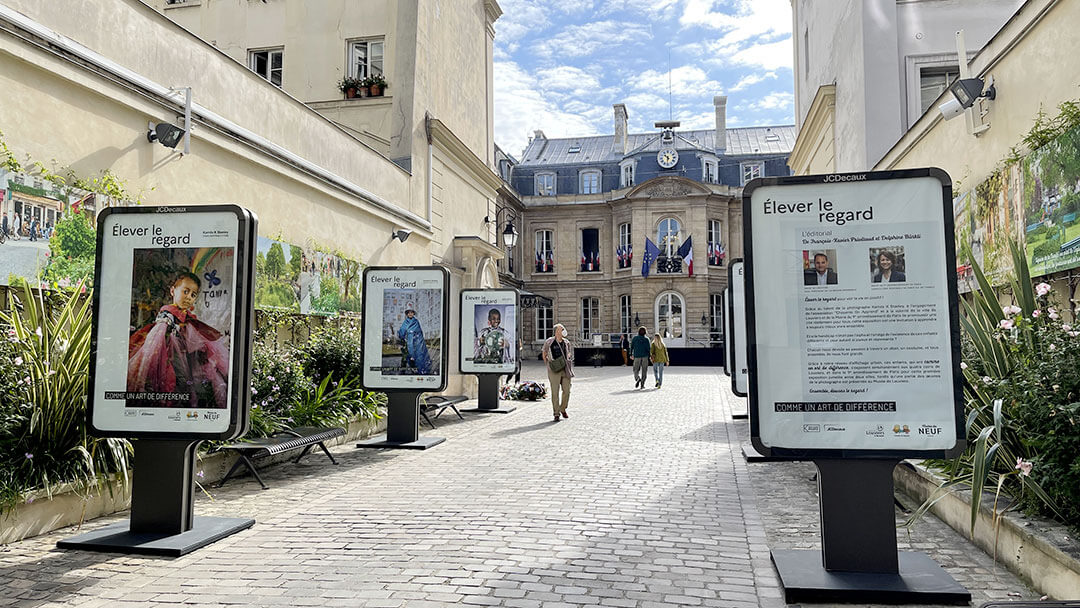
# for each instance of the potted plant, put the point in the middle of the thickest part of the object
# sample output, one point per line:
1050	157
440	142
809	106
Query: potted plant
349	85
597	359
377	84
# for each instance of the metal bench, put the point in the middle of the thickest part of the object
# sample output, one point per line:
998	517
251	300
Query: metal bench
306	437
438	403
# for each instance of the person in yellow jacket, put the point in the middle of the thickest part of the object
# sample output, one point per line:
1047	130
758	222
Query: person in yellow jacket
658	353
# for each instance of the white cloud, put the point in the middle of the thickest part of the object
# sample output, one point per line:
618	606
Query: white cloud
521	108
568	78
750	19
588	38
750	80
774	101
772	56
686	81
653	9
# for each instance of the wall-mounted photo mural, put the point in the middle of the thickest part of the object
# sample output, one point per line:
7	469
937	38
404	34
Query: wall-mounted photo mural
305	279
1035	201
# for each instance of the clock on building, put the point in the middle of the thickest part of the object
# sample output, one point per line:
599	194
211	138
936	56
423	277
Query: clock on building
667	157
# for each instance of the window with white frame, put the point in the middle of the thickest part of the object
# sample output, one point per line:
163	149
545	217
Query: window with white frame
715	244
667	236
624	314
545	251
708	171
590	317
590	182
545	184
365	58
716	316
624	252
752	170
932	83
268	63
627	175
545	323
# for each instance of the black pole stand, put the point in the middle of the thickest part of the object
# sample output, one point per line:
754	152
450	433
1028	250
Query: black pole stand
487	395
402	424
163	518
858	561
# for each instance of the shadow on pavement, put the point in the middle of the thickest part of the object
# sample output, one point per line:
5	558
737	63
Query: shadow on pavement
524	429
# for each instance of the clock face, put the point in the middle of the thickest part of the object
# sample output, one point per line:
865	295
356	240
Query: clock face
667	157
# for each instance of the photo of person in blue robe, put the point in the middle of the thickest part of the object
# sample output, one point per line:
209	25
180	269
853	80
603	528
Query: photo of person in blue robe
412	335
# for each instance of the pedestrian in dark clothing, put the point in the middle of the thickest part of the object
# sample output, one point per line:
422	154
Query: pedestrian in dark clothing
33	229
639	350
624	345
4	226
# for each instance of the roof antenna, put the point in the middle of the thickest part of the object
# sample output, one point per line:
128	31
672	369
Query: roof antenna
669	116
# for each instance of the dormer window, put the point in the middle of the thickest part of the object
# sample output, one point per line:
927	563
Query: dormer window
545	184
709	170
574	149
752	170
772	137
626	174
590	182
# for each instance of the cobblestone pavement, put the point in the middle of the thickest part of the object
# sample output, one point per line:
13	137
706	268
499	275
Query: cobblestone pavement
23	257
640	499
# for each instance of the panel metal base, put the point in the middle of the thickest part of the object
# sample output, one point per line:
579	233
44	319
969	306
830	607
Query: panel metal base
751	454
740	415
118	537
492	410
422	443
921	580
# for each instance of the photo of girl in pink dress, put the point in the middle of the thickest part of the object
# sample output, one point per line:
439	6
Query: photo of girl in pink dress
178	360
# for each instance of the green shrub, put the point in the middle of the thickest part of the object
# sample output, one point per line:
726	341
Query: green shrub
1047	247
43	438
1022	389
277	381
334	350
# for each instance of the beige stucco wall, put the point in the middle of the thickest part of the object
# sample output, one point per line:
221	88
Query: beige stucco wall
54	110
1039	73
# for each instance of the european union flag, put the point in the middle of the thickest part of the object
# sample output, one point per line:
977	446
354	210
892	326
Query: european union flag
651	251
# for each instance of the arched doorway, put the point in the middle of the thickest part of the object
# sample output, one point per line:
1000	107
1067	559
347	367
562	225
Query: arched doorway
670	314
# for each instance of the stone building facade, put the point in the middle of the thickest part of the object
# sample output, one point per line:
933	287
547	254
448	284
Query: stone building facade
591	202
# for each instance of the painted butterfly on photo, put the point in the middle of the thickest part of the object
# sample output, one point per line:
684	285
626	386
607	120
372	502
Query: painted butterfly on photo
211	278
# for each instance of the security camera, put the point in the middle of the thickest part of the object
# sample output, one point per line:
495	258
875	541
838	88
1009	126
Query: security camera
401	235
951	109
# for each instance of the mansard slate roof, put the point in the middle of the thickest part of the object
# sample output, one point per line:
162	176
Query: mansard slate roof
743	141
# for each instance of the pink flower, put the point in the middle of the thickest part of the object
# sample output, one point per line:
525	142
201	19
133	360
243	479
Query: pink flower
1006	324
1053	347
1035	313
1066	326
963	365
18	360
1023	466
1042	289
986	379
1073	334
1053	313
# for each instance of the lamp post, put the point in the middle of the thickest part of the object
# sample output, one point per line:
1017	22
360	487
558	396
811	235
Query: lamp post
509	234
637	320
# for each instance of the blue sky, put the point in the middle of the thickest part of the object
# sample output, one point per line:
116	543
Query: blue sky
561	64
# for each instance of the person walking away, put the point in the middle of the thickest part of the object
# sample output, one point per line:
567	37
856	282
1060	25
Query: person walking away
4	227
624	344
658	353
558	355
639	351
33	230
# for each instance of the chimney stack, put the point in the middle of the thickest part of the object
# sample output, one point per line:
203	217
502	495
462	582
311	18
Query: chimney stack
621	117
720	101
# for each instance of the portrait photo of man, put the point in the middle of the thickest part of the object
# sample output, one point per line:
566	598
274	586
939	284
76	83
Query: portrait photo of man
820	272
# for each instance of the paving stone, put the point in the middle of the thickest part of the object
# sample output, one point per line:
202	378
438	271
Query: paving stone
641	498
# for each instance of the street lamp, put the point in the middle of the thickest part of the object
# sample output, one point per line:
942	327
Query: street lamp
510	233
637	320
704	320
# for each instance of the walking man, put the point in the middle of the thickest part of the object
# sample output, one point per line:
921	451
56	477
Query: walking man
639	351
